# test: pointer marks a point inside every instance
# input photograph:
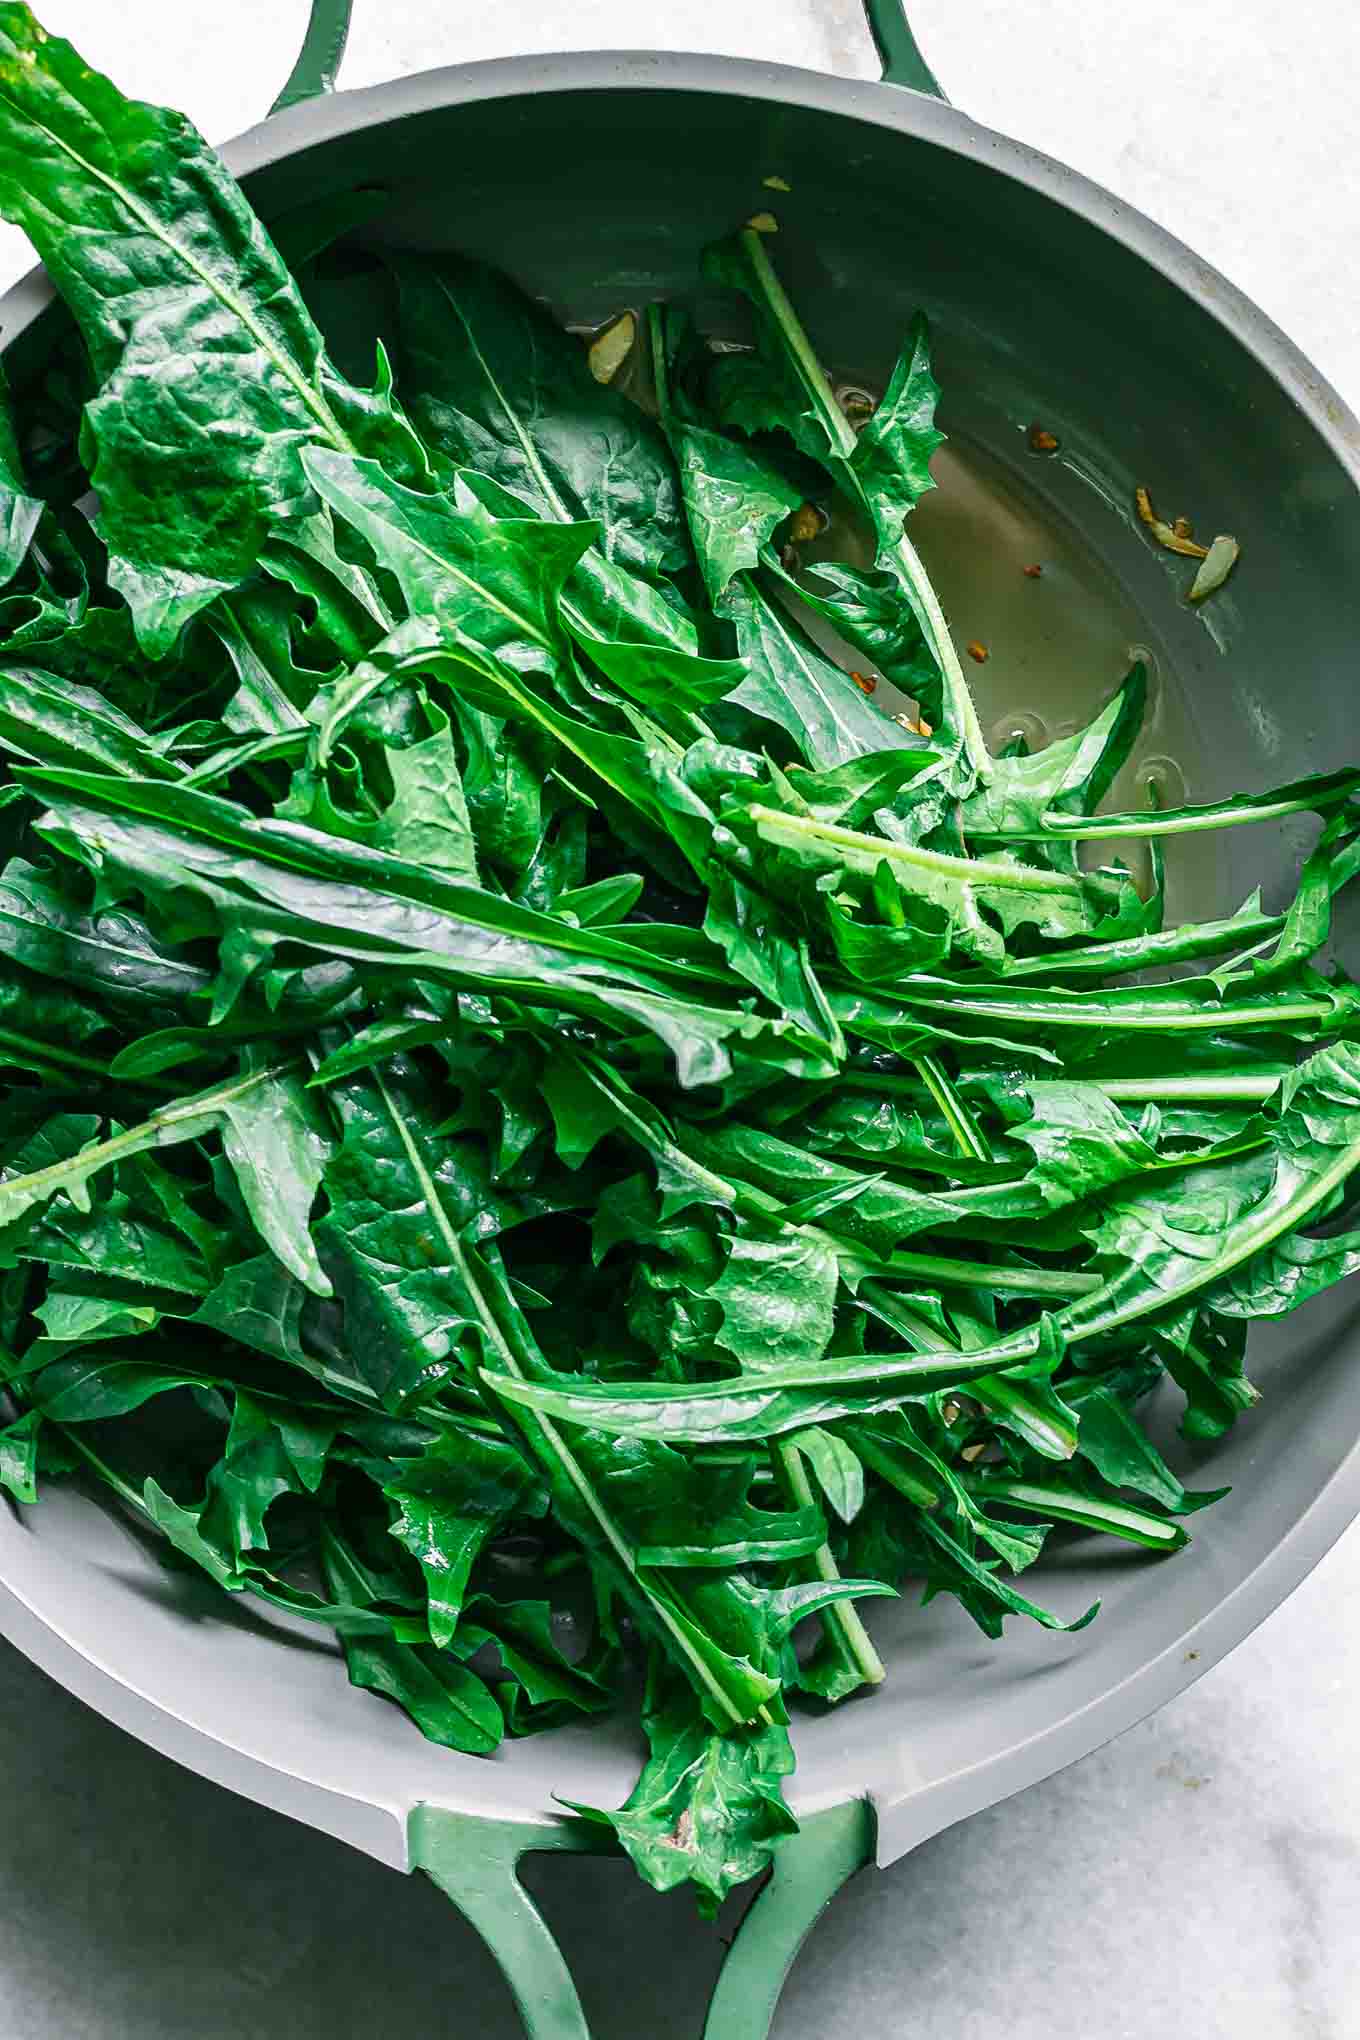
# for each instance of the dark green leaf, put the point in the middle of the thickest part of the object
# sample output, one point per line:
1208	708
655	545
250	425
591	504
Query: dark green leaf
707	1809
190	317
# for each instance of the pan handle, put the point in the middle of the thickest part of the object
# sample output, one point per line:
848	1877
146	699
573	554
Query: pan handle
319	58
898	50
328	31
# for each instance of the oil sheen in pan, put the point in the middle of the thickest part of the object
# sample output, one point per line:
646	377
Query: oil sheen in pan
1057	643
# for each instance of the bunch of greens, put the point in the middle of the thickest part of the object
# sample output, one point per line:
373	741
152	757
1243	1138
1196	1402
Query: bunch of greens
542	1130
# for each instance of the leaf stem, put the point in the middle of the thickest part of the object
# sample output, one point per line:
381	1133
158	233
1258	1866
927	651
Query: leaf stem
656	342
48	1052
1251	1087
123	1489
775	822
960	1121
1167	822
1156	1013
1213	1087
951	1273
170	1124
1146	952
843	441
841	1615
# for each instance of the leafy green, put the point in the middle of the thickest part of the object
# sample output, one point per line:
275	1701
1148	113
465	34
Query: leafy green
708	1808
884	469
190	317
19	511
542	1130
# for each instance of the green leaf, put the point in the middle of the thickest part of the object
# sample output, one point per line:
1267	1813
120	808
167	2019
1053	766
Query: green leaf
75	1318
447	1702
496	385
777	1297
865	607
754	1407
792	683
491	588
1111	1441
839	1472
883	471
49	1029
733	495
976	894
1201	1227
406	1304
183	1528
110	952
89	1389
341	899
463	1490
230	1108
1065	780
19	512
548	1687
988	1599
1070	1505
268	1453
1317	795
278	1149
426	821
1309	1005
255	626
895	444
258	1304
707	1809
191	320
19	1457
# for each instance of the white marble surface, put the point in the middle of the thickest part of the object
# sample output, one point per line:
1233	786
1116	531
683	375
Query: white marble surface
1202	1873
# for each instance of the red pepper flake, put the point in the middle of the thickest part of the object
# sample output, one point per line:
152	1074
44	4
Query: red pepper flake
978	652
865	682
1041	440
1033	573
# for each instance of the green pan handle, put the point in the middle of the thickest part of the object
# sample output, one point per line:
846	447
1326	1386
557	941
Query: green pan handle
319	58
898	50
328	31
475	1862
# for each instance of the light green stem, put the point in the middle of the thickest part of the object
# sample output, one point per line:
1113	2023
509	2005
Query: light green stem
841	1615
775	823
1169	822
960	1121
1214	1087
184	1121
895	546
954	1274
1252	1087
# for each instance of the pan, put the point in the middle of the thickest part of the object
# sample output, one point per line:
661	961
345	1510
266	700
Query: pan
595	179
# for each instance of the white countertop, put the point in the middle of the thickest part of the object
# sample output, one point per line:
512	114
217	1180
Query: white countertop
1199	1875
